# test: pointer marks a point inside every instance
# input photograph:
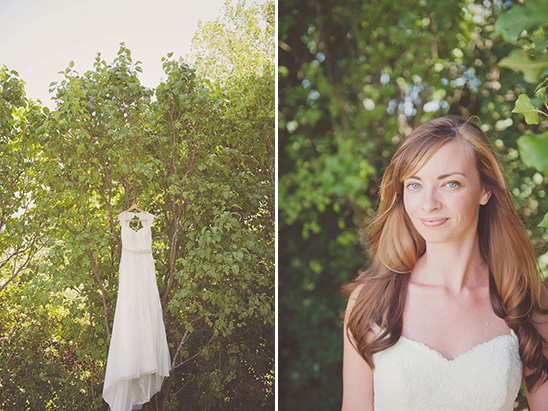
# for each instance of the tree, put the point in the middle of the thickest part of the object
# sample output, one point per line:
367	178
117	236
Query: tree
195	152
19	227
25	327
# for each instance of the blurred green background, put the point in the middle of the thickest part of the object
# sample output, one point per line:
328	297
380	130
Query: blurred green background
355	77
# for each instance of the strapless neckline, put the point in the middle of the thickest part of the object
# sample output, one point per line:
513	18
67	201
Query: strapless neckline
460	356
412	376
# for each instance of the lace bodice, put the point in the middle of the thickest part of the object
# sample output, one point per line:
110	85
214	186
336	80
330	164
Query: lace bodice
411	376
140	240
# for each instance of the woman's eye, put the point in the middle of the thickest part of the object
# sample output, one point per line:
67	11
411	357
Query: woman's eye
453	184
413	186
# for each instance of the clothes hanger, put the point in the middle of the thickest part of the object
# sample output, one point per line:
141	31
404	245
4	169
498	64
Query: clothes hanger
134	207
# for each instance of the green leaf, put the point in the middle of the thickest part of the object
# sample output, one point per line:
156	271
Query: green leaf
511	23
524	106
519	60
544	222
139	69
533	150
540	44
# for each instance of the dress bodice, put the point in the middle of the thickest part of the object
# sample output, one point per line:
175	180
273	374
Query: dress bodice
412	376
136	240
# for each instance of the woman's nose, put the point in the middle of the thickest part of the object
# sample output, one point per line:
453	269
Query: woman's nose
430	201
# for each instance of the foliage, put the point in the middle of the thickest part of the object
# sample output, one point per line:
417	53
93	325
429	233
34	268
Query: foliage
524	25
20	226
196	153
527	25
354	79
240	36
30	347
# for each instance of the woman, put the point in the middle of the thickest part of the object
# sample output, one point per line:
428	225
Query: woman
451	314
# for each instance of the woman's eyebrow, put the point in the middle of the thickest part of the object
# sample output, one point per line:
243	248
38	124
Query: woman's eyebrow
451	174
440	177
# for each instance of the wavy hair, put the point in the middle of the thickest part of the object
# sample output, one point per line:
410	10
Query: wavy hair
396	245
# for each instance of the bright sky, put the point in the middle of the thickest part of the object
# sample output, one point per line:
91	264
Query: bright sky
39	38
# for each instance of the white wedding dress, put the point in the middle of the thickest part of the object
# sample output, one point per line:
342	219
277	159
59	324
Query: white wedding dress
138	357
411	376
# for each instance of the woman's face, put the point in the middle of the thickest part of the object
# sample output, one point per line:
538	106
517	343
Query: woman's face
443	198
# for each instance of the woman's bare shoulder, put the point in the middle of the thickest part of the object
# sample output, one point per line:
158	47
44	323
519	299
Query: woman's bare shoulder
353	298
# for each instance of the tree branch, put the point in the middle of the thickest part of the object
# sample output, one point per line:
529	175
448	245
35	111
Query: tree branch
103	291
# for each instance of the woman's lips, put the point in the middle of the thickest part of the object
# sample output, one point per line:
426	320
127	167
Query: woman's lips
433	222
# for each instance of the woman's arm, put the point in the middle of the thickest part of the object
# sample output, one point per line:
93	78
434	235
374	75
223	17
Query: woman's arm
538	397
357	375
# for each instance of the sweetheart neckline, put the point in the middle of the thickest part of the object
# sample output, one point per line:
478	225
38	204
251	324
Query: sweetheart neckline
474	348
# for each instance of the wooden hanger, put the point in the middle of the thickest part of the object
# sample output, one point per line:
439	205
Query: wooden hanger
134	207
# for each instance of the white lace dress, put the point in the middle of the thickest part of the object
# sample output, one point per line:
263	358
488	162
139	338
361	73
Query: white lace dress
138	357
411	376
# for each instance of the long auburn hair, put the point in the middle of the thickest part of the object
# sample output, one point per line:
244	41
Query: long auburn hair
396	245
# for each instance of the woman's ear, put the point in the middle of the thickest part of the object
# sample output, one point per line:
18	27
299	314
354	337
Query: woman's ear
486	196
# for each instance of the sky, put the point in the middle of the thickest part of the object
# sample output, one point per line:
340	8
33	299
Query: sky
39	38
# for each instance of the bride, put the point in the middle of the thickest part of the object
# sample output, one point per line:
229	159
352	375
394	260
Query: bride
451	315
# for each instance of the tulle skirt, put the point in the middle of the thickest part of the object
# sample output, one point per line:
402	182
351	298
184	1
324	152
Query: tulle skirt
138	357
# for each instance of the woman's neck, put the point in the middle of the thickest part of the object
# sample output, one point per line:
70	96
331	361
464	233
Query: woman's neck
452	266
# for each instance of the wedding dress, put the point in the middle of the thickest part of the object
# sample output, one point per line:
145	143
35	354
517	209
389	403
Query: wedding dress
411	376
138	357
